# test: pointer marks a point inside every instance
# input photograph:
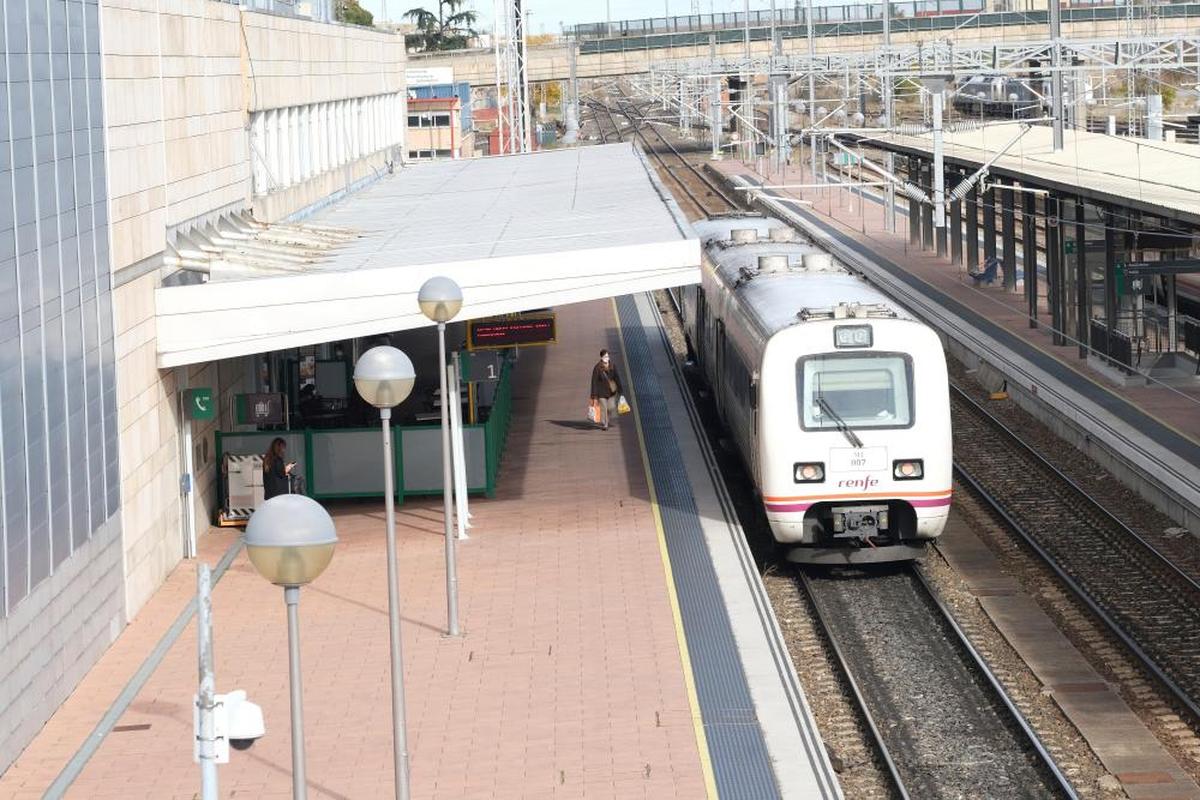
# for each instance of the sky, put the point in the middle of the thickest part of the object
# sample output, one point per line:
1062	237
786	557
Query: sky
545	15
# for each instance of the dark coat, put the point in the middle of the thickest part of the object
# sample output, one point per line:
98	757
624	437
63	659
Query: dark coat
275	479
600	379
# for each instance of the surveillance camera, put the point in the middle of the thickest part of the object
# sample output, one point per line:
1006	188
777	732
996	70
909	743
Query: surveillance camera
245	720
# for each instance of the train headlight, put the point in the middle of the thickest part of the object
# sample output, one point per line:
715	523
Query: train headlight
811	472
908	470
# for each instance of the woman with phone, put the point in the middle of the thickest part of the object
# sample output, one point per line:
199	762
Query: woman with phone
277	470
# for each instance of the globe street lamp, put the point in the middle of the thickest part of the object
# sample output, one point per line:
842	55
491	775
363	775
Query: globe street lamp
440	299
290	540
384	376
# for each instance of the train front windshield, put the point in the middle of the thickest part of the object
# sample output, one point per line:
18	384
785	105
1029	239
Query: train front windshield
861	390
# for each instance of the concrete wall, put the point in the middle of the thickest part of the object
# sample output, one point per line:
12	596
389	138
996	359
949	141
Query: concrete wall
296	75
177	153
181	82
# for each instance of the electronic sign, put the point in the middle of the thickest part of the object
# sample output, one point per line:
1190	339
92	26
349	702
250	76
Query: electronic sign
509	331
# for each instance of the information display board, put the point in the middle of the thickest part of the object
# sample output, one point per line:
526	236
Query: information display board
509	331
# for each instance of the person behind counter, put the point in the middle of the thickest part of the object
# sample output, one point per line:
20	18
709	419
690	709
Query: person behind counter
277	470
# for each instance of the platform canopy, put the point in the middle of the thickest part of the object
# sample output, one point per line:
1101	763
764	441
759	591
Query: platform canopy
517	232
1159	178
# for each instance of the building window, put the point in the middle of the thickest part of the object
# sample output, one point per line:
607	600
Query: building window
445	153
428	119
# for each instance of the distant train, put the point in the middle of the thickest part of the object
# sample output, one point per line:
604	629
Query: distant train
836	397
998	96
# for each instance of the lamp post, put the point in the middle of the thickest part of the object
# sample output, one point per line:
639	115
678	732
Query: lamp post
290	540
440	300
384	376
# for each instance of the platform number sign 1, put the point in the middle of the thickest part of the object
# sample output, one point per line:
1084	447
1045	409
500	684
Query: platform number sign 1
199	404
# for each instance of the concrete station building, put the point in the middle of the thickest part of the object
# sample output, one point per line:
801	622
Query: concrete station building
130	128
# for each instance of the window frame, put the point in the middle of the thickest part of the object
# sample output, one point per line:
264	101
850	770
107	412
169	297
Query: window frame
910	382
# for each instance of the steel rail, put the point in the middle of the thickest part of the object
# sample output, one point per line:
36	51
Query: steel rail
1011	435
844	665
640	123
1071	583
998	688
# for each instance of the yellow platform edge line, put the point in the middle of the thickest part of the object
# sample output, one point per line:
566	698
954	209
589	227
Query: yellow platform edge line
710	781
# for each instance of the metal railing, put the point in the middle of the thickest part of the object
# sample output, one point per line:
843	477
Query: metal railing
849	20
851	12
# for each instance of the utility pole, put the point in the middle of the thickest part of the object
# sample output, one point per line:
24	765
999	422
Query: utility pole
888	114
812	86
1056	77
936	84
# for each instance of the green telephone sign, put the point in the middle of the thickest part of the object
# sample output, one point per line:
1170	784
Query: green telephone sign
198	403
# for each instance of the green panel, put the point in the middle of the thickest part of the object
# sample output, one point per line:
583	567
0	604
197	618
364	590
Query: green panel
199	403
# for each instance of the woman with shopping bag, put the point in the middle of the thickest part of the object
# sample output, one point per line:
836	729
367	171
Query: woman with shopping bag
606	397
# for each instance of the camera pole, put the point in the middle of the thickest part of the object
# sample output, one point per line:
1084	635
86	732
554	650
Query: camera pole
206	702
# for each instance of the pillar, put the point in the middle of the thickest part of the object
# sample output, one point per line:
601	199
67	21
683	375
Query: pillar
914	208
1029	247
927	208
989	223
1054	269
1083	294
972	235
1008	235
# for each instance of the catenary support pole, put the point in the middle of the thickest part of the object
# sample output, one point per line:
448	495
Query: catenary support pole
1056	78
812	84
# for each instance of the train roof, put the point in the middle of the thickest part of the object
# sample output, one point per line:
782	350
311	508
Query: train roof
776	297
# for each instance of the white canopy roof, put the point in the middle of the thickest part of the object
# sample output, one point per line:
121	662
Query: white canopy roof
516	232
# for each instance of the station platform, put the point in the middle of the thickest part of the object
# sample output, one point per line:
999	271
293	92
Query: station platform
1153	428
616	639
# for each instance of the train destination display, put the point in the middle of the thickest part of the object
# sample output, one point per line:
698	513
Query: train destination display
509	331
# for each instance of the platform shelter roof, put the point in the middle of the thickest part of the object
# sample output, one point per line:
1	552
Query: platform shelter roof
1159	178
516	232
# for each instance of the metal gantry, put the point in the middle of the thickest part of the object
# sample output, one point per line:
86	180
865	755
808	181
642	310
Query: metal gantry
511	76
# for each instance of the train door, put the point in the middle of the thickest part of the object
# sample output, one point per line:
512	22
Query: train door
701	328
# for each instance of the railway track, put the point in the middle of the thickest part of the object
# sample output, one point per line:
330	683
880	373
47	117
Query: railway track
705	195
942	723
1141	596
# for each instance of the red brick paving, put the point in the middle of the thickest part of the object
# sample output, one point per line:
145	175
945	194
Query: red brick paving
1178	407
567	681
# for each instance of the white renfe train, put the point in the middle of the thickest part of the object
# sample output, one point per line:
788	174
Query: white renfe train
836	397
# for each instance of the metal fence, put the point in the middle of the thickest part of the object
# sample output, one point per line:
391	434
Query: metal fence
847	20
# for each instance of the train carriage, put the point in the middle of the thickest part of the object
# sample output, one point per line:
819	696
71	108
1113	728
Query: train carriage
835	397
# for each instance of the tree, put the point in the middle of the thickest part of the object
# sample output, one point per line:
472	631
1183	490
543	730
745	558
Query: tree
351	12
449	29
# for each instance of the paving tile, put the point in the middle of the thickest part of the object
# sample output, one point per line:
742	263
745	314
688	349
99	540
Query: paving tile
569	642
